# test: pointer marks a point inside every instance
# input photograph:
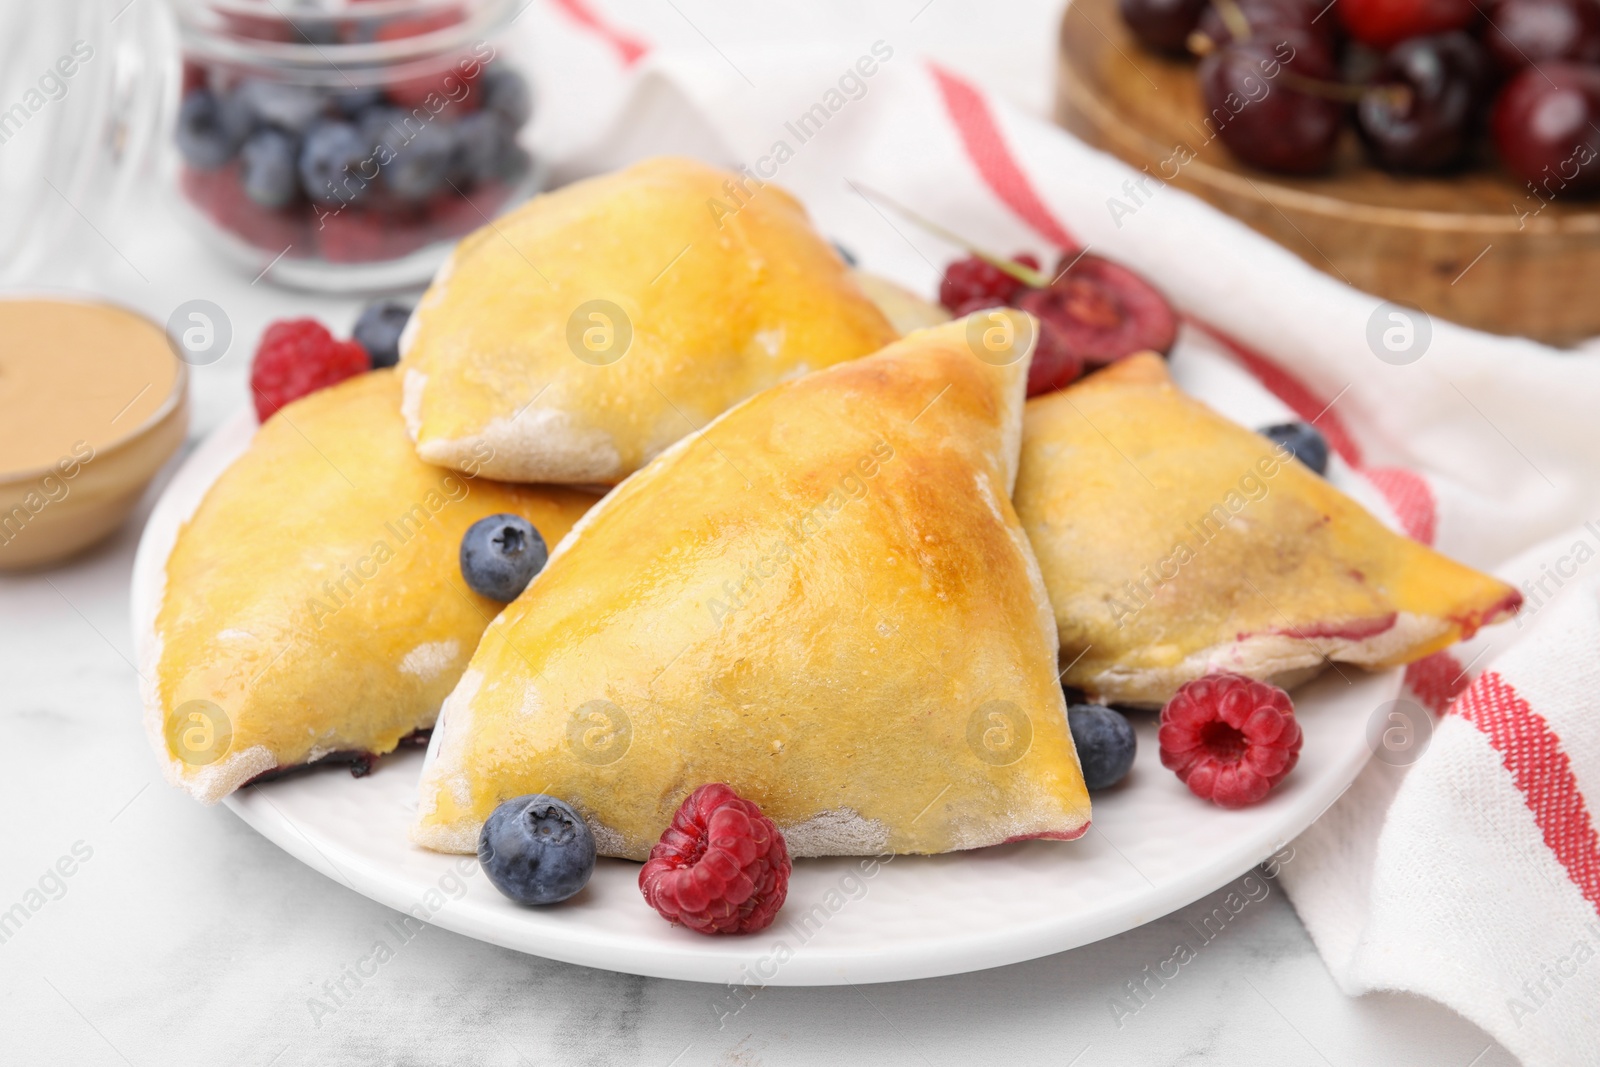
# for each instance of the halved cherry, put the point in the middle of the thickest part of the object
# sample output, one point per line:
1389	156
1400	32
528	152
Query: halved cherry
1055	365
1096	312
974	278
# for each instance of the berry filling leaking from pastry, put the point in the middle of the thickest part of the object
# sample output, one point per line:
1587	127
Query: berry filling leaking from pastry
836	619
1177	544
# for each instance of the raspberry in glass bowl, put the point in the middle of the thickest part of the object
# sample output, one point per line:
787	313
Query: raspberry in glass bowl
346	145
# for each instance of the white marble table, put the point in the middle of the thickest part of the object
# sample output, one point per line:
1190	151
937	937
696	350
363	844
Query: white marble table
186	938
182	937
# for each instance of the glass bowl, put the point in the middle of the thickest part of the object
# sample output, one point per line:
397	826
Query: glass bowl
83	86
345	146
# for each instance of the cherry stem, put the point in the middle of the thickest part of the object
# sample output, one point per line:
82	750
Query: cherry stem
1234	18
1398	94
1021	272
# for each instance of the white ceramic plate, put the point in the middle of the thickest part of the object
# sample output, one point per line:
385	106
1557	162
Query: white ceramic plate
1152	848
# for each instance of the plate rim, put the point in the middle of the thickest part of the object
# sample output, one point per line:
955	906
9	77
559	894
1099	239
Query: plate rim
692	957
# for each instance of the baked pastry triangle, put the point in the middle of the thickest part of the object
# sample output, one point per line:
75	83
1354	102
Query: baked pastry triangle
313	604
585	332
824	600
1176	543
905	310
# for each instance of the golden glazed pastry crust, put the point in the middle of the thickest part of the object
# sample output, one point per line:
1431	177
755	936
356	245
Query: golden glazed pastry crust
1176	543
315	596
824	601
588	330
905	310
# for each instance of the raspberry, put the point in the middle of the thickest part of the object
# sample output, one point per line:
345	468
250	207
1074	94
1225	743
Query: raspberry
353	235
721	867
968	279
220	196
420	25
297	357
1229	738
447	83
207	188
273	230
194	76
260	28
451	215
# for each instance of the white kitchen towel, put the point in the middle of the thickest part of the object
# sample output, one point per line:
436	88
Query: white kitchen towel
1464	864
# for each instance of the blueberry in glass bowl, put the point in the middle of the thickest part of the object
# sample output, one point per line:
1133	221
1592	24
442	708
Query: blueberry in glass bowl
347	147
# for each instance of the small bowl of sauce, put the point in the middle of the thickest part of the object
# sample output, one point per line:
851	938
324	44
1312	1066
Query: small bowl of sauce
93	402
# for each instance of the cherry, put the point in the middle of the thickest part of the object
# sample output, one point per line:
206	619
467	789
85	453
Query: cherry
1263	18
1055	364
970	279
1251	101
1162	25
1385	23
1419	116
1096	312
1546	126
1533	31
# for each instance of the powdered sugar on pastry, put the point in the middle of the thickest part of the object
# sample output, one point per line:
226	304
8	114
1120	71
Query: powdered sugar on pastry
430	659
1284	659
537	444
837	833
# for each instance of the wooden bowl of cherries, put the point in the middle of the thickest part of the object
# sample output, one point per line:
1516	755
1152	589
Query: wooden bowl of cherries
1443	154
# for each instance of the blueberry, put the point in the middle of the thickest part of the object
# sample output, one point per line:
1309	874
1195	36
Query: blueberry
1304	440
268	167
353	103
237	116
266	103
1105	743
536	850
516	164
384	128
331	163
500	555
480	148
421	163
506	93
205	137
378	330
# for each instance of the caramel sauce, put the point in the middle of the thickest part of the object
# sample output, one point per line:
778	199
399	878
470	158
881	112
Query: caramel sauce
74	372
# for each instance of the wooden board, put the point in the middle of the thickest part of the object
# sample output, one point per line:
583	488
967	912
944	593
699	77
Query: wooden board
1476	247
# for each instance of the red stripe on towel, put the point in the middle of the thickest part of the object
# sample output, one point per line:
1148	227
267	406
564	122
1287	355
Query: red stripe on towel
1437	680
980	135
1291	390
1533	756
629	49
1408	493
